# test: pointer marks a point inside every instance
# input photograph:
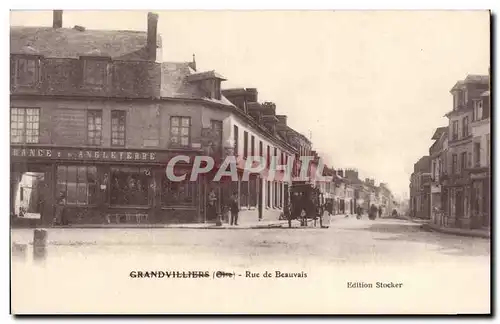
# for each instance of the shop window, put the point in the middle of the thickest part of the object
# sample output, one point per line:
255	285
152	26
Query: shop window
27	71
477	203
78	184
180	129
244	193
25	125
275	184
28	194
118	122
177	193
281	195
253	191
268	193
130	186
94	127
235	189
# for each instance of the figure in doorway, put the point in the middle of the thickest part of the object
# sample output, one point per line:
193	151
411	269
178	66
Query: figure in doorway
234	209
212	205
60	218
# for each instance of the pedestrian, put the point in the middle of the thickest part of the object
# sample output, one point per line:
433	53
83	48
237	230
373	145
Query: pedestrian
212	207
60	218
372	213
234	209
380	212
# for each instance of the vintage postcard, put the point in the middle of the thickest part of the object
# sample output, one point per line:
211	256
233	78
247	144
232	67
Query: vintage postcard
250	162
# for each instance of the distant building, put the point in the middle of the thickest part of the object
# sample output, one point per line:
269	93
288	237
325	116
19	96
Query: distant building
387	202
467	105
420	189
438	154
480	172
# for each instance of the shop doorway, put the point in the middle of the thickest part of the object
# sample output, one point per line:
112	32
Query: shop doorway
28	194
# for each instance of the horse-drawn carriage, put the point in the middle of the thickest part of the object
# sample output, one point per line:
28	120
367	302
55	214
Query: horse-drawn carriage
306	204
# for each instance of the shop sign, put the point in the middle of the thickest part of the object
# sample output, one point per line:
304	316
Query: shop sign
435	188
75	154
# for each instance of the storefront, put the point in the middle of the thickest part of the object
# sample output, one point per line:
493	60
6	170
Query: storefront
436	208
99	186
480	198
457	196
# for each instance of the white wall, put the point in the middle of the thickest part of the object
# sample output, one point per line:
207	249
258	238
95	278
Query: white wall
481	133
229	121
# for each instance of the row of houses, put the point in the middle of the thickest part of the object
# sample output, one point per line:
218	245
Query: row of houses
96	115
348	193
451	185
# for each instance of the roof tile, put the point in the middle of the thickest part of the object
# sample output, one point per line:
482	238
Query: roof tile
72	43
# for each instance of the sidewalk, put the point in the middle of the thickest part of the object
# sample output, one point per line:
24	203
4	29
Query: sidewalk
241	225
457	231
247	219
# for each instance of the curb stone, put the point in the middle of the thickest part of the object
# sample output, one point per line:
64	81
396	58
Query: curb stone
431	228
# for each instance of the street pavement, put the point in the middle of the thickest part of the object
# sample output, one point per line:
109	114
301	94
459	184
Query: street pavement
441	273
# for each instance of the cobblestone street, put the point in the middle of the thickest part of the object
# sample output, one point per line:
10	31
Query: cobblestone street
350	250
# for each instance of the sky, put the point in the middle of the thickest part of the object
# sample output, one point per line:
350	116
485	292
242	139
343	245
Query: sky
369	86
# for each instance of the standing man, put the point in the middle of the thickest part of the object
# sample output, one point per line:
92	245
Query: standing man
212	208
59	218
234	209
379	211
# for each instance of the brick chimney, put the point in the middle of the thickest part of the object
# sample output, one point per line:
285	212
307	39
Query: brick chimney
253	95
57	19
351	174
152	35
282	120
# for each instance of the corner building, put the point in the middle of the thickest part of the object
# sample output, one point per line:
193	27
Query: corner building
96	116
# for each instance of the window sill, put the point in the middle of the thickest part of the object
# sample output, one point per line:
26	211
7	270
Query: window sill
33	86
180	147
80	206
130	206
94	87
184	207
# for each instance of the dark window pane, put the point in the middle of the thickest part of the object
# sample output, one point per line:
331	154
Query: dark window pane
129	186
71	175
61	174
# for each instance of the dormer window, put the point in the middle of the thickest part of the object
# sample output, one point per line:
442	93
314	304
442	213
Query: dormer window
209	82
458	99
216	91
478	109
95	72
27	71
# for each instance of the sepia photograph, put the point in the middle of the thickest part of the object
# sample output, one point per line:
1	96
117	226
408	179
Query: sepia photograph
272	162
